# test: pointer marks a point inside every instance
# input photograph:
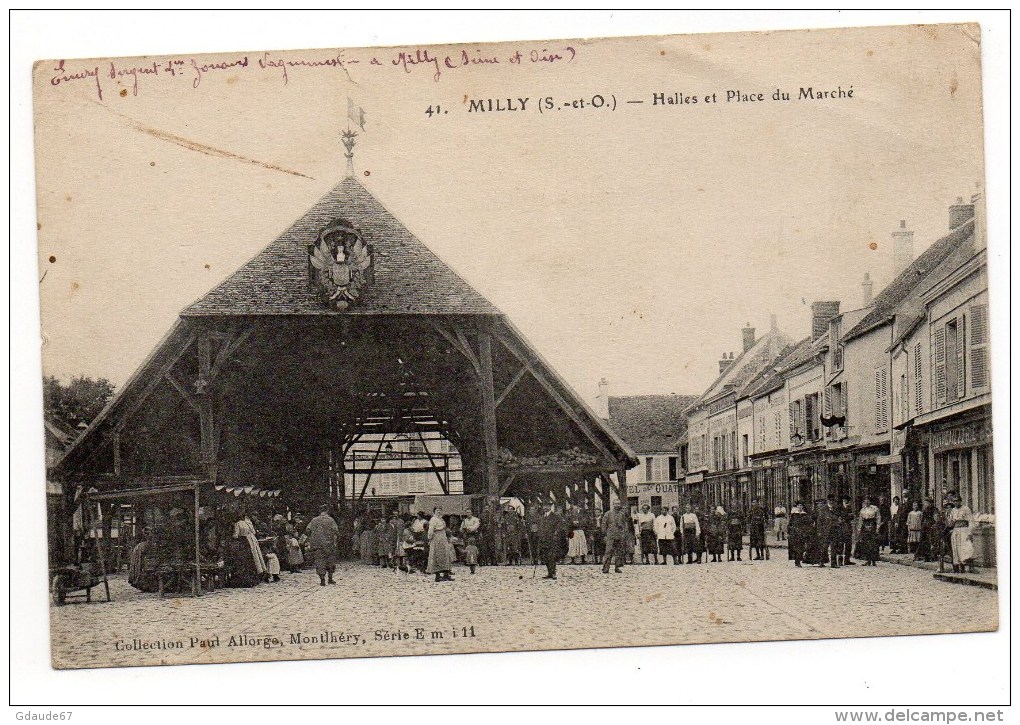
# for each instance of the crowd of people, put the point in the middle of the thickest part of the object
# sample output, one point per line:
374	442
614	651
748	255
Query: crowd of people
255	550
835	532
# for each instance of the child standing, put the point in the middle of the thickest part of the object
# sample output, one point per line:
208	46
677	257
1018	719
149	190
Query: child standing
272	564
295	559
471	554
914	524
404	544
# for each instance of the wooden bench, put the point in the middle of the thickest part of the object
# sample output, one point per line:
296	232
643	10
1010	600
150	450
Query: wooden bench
183	574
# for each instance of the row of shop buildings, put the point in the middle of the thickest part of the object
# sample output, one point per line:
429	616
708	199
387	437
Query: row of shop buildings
892	398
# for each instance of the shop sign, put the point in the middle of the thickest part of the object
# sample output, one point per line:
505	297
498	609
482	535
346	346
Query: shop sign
694	478
654	488
966	436
867	459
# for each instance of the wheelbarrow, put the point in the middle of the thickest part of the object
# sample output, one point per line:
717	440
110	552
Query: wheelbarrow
76	581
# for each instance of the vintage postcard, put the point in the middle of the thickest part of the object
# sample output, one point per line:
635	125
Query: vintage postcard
547	344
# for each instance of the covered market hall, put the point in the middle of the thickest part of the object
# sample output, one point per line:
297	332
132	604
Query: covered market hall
343	328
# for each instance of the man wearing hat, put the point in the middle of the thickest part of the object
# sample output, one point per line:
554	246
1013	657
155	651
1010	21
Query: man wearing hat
799	529
829	536
551	533
324	543
616	527
847	530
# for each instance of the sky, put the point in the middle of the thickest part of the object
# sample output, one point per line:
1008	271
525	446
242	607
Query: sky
631	244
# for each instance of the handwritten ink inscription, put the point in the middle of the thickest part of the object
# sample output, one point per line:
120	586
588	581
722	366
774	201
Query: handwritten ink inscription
196	69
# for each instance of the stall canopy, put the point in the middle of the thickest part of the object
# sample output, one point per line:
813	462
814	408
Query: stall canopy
345	325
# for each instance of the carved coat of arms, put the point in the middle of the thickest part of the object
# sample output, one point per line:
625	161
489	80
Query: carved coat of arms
341	264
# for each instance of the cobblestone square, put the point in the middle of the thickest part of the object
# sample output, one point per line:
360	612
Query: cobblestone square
375	612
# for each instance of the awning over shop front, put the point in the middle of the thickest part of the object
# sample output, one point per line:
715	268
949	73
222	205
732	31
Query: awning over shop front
458	504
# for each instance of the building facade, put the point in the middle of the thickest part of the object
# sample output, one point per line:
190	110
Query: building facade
890	399
721	425
399	467
953	431
654	426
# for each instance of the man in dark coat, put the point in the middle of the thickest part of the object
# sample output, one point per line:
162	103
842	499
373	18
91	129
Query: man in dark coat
849	516
616	529
551	533
799	530
757	520
323	542
885	524
925	550
829	525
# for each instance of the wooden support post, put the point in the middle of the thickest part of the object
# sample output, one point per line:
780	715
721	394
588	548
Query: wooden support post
603	491
99	552
490	448
206	413
116	452
196	588
339	489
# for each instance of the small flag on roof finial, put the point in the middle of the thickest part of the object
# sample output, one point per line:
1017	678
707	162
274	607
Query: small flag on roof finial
356	114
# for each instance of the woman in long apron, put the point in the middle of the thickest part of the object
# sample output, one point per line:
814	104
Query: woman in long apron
440	561
960	519
244	530
868	527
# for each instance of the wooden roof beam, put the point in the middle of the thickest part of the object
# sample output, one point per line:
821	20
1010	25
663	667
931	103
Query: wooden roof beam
576	417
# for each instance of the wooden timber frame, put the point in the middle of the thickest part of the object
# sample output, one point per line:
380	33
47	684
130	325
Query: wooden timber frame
203	370
260	383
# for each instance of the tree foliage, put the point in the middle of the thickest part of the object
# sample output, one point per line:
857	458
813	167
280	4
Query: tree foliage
80	400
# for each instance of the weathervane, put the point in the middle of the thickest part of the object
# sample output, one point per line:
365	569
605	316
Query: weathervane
356	114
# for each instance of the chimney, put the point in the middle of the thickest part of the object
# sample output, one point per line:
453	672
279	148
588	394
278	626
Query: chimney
903	248
748	333
773	323
821	313
960	213
980	223
725	362
603	407
867	288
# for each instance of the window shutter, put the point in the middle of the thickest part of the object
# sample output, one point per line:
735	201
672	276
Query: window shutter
939	354
884	421
844	402
918	389
827	402
979	377
881	407
961	350
793	421
809	415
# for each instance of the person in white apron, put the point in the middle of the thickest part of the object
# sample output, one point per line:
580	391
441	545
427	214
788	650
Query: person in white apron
961	518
